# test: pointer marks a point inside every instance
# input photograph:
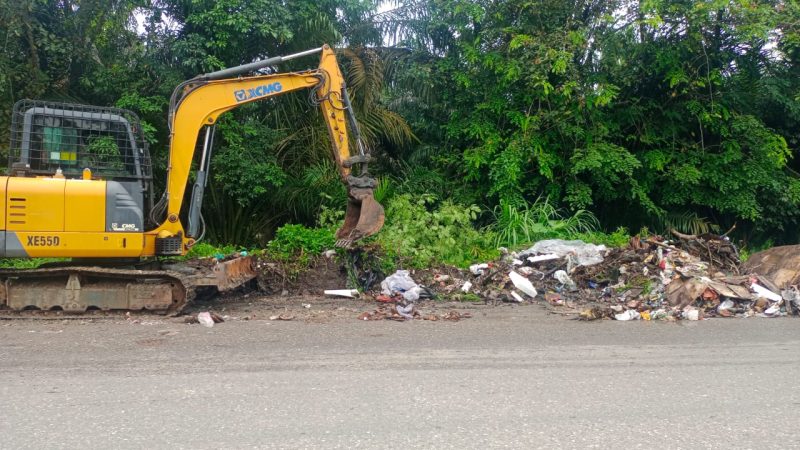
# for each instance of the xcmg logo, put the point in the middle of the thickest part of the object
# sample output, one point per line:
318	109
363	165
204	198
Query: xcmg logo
260	91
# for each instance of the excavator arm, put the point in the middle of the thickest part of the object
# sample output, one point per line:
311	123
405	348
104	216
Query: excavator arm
199	102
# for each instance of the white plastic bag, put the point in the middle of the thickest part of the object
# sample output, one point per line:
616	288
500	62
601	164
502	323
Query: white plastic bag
630	314
398	282
583	254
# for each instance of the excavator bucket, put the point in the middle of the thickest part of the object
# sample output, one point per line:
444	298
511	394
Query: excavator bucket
364	217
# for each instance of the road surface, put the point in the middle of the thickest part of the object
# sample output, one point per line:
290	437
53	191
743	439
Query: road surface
509	377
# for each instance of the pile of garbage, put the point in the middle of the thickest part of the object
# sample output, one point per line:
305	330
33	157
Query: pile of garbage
689	278
400	295
686	277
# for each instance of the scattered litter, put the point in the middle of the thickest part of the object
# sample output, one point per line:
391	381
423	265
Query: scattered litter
412	294
455	316
541	258
593	313
526	271
406	311
397	283
773	311
403	313
523	284
654	278
630	314
477	269
349	293
204	318
565	280
691	313
659	314
766	293
553	299
330	253
689	278
282	317
367	315
726	308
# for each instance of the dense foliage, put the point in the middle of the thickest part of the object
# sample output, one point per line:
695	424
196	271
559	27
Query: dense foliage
619	113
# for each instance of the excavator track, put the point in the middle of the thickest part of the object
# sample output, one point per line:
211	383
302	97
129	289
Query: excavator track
95	291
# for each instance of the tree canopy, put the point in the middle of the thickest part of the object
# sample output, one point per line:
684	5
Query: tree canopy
645	112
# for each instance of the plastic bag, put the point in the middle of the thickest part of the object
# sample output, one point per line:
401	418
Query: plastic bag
630	314
398	282
205	319
583	254
565	280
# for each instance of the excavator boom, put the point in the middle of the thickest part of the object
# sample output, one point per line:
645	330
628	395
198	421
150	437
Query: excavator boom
197	103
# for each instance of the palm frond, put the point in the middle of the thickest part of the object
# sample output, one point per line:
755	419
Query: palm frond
687	222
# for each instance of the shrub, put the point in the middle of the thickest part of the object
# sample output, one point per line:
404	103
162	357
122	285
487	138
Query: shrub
298	240
419	234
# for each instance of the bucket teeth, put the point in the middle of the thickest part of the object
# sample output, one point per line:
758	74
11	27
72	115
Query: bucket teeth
364	217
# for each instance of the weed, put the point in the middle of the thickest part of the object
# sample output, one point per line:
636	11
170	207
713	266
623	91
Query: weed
293	240
294	245
205	250
27	263
467	297
618	238
515	225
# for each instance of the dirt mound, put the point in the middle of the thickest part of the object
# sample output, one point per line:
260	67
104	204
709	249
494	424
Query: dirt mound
281	278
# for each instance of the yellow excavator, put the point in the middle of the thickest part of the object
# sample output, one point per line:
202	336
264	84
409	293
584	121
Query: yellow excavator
80	186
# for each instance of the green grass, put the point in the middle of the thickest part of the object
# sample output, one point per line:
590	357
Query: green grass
27	263
618	238
206	250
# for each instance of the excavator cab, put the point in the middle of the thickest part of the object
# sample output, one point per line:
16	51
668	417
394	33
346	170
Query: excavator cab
48	136
63	146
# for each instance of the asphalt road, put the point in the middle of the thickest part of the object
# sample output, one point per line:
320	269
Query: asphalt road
509	377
